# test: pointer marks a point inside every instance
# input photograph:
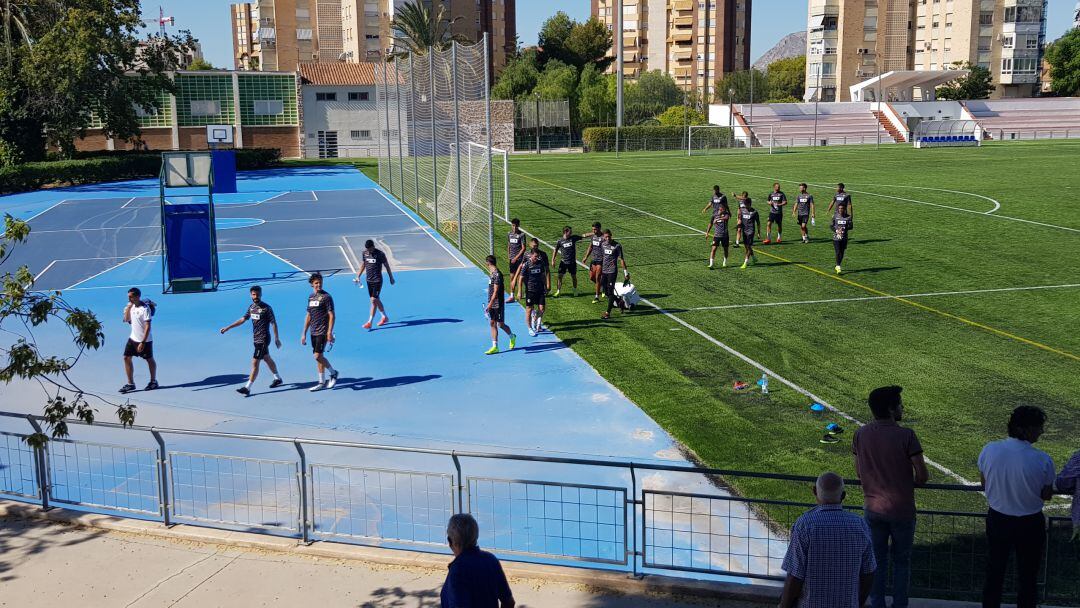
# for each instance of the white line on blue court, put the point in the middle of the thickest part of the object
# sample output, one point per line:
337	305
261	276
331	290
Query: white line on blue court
422	227
46	210
151	252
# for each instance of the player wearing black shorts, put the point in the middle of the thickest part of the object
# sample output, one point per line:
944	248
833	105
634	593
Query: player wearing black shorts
515	252
803	211
262	320
565	252
841	226
496	308
613	255
718	227
594	256
139	314
534	274
372	261
842	196
741	198
777	200
749	225
320	320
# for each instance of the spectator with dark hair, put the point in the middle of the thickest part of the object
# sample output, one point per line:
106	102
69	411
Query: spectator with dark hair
1068	481
476	578
830	560
1017	480
889	461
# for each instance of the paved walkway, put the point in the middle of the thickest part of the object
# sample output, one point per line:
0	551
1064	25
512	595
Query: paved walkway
50	564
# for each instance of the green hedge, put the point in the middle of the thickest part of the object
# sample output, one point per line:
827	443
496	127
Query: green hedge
110	167
647	137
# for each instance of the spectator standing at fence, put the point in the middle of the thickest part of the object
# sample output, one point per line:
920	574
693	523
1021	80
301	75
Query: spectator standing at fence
830	560
262	321
475	579
889	461
138	314
1068	482
1017	479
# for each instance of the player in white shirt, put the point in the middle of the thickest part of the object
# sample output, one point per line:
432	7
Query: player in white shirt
140	344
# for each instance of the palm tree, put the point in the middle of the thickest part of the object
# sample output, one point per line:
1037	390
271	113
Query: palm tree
416	29
13	14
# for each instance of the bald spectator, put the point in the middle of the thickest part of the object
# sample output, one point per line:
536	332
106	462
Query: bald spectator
889	462
1068	482
830	560
1017	480
476	579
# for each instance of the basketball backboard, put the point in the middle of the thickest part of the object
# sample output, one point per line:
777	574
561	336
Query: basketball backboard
219	134
186	169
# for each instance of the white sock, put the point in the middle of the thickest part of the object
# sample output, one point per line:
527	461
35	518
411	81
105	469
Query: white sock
494	344
322	377
277	377
248	385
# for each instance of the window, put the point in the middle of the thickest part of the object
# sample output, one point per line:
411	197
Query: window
325	96
986	18
205	108
303	33
147	112
1032	43
1006	42
269	107
359	135
358	95
985	42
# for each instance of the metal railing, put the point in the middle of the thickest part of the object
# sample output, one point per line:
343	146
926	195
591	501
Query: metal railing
608	514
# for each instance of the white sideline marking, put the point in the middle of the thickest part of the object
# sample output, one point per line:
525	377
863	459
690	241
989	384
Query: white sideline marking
422	227
347	259
869	298
657	236
743	357
38	275
48	209
131	200
272	253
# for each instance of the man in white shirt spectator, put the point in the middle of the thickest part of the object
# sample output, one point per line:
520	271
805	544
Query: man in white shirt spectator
1017	479
138	314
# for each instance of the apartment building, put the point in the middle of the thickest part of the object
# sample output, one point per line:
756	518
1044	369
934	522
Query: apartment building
697	42
243	35
287	33
849	41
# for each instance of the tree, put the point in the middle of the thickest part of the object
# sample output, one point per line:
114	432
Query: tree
558	81
1064	59
416	28
654	92
595	97
554	34
199	65
787	79
589	43
518	78
739	83
681	115
976	85
21	311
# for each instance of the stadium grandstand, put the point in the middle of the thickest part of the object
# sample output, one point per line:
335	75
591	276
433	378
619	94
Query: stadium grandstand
1027	118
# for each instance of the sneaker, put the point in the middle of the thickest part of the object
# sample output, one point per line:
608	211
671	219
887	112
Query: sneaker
151	385
778	241
710	263
491	351
510	300
603	296
532	332
766	242
837	270
743	265
333	379
366	325
276	383
595	300
513	341
827	438
127	388
384	321
557	292
605	316
724	265
318	387
243	390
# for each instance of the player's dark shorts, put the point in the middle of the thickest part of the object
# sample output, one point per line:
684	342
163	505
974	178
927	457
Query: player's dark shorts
131	349
720	240
318	343
776	218
535	298
565	267
515	265
748	239
262	350
374	289
804	219
497	315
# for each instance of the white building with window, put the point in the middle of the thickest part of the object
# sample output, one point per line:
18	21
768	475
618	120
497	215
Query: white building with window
338	112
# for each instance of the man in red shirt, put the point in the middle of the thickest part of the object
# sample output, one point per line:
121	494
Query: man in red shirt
889	462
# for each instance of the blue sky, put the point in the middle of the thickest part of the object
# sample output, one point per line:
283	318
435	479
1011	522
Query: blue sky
208	21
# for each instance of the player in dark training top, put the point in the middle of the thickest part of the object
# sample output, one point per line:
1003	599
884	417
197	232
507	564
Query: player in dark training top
613	255
841	226
320	321
803	211
749	225
741	199
534	274
594	257
841	196
262	320
495	309
777	200
565	252
718	225
515	252
372	262
715	202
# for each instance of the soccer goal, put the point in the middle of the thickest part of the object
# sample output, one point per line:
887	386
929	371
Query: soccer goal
710	139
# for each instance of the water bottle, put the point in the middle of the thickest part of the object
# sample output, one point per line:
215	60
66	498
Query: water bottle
764	384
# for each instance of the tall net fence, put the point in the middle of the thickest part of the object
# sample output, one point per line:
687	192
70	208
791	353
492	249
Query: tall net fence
436	150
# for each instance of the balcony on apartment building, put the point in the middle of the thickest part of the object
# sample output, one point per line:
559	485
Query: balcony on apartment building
683	5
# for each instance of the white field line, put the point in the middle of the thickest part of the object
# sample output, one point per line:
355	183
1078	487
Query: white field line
871	298
761	367
46	210
434	237
131	200
658	236
151	252
268	252
313	195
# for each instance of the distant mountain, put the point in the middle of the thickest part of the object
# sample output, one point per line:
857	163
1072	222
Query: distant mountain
791	45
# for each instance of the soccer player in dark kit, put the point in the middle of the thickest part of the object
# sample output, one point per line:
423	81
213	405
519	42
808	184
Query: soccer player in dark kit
565	252
841	196
262	321
803	211
613	255
372	261
515	255
749	225
777	200
595	258
841	226
534	273
718	226
496	308
320	321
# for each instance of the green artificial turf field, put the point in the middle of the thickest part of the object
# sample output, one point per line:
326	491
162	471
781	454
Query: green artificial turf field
988	237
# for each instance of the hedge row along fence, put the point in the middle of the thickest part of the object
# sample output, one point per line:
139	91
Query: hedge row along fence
110	167
645	137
